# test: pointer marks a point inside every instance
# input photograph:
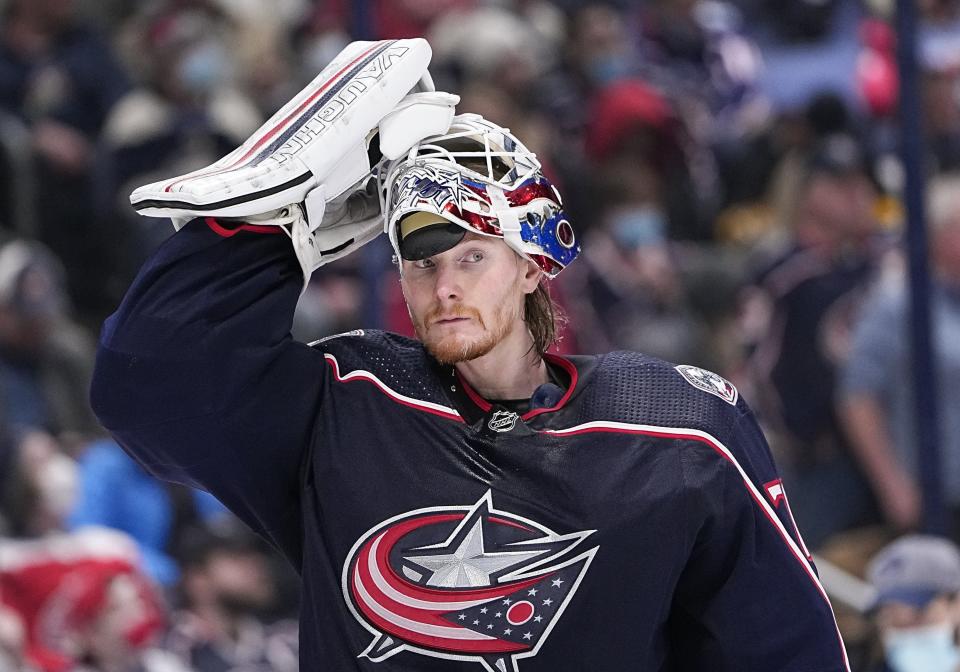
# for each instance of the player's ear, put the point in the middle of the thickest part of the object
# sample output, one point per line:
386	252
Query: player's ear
531	276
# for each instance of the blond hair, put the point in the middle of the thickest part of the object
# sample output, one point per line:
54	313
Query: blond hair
543	317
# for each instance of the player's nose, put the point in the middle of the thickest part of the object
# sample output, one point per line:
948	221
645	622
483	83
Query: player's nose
448	283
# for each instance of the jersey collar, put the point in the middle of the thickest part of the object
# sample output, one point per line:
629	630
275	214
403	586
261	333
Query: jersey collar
473	407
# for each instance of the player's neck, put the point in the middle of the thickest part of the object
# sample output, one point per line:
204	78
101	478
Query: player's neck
512	370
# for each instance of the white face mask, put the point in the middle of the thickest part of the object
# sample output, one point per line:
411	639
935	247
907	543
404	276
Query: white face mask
927	649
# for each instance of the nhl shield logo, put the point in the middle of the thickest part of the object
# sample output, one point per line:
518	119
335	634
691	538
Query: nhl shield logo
468	583
503	421
709	382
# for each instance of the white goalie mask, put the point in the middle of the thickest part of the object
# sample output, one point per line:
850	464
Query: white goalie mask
476	177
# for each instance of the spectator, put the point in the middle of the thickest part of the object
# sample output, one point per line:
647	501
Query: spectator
226	585
110	621
188	113
115	492
876	396
332	303
700	52
82	602
630	294
602	47
45	359
809	296
635	142
490	42
942	119
68	599
917	611
39	487
795	139
61	78
938	37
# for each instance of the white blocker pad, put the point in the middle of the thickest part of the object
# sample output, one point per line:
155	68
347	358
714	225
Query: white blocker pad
319	137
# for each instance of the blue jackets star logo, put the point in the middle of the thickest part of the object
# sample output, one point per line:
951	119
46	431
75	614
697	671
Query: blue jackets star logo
463	583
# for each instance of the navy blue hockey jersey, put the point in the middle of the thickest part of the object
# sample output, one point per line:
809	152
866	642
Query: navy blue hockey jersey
637	524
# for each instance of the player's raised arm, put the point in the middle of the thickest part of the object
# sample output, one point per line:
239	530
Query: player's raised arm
197	375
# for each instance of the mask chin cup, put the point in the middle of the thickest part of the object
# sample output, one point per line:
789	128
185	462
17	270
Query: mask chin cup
416	117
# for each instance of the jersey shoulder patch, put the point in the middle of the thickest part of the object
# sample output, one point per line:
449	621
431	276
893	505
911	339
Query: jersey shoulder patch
635	388
709	382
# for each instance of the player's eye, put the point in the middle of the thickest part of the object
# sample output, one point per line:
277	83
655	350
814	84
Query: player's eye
424	263
473	256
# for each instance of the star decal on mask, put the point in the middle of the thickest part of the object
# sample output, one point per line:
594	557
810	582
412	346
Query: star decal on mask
432	185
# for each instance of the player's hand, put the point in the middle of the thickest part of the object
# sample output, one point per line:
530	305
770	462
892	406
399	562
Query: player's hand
359	206
335	226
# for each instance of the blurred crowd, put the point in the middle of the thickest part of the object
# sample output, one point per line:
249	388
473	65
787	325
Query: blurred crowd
732	168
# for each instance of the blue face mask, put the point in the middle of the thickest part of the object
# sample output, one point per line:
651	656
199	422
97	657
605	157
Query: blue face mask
610	68
204	68
926	649
639	227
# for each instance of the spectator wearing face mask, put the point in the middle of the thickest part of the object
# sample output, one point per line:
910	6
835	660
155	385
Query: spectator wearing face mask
190	109
917	610
631	294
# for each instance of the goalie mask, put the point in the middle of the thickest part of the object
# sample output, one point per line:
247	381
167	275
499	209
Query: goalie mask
476	177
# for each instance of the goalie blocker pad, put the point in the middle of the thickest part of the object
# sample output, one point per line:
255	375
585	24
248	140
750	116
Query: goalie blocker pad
319	137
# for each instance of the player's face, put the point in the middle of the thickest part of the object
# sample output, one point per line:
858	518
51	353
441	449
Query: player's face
467	300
